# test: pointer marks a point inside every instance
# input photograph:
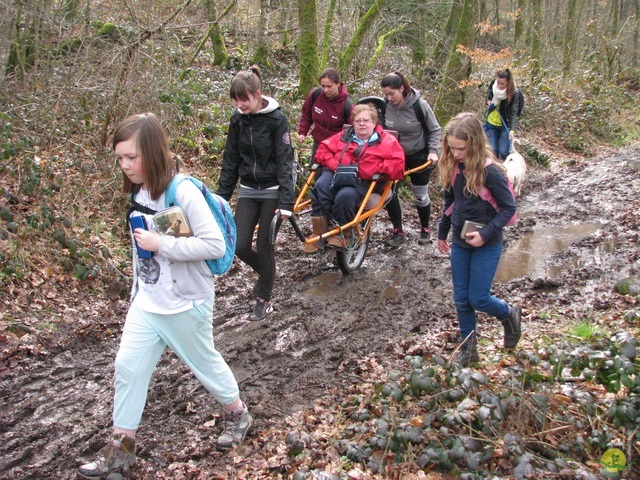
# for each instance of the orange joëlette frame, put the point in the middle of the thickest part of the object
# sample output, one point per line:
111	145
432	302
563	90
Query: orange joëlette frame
303	203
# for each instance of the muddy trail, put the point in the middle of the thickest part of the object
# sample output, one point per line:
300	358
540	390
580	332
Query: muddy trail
578	232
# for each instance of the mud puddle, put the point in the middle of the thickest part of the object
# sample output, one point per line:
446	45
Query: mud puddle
531	254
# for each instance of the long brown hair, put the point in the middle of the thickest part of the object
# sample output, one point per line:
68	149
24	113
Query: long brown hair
511	83
332	74
152	144
465	126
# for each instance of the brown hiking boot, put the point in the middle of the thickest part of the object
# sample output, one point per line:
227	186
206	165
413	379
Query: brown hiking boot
115	460
319	226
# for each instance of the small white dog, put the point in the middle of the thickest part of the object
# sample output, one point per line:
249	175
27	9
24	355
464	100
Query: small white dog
516	170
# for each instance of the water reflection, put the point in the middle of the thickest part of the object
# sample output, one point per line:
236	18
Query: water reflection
529	255
387	281
326	284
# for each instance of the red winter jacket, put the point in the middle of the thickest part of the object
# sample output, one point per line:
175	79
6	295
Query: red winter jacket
384	155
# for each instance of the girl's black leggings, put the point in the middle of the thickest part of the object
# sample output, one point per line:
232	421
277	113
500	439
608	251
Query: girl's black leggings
249	213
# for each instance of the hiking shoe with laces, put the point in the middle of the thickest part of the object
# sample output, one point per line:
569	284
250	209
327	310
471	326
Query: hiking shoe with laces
262	309
115	460
236	427
468	353
425	236
397	239
511	326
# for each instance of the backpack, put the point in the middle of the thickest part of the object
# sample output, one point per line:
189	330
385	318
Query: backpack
347	103
221	211
486	195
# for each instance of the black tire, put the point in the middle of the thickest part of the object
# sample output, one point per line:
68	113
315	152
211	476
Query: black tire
350	259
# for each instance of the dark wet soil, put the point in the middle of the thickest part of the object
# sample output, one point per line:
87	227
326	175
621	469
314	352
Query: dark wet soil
56	406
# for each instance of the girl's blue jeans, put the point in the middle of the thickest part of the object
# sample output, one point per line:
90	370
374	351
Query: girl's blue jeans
499	140
472	272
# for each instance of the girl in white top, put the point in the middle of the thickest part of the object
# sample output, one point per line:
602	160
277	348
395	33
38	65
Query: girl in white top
171	301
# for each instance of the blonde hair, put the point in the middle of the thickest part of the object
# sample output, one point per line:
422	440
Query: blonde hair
367	107
465	126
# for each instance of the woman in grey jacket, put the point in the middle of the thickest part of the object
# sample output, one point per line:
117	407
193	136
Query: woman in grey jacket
419	134
258	153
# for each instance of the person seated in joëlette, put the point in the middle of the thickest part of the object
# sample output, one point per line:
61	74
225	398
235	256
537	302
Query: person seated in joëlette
364	144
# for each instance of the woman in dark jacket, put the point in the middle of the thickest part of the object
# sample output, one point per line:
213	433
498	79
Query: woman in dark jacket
466	168
502	99
257	152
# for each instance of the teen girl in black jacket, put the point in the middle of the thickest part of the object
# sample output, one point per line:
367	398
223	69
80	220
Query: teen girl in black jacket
258	153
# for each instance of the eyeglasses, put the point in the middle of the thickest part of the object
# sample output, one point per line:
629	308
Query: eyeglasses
363	120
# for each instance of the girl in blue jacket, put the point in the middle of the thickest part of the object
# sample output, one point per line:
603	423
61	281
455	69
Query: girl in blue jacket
464	170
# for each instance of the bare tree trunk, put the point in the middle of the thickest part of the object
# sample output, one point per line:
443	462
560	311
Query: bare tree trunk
219	49
417	35
450	99
636	35
441	52
556	28
521	7
215	34
570	36
363	27
615	18
261	55
7	12
535	46
308	45
326	35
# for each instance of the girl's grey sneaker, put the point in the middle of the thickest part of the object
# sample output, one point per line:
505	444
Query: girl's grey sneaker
262	310
425	236
236	427
511	326
115	460
397	239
